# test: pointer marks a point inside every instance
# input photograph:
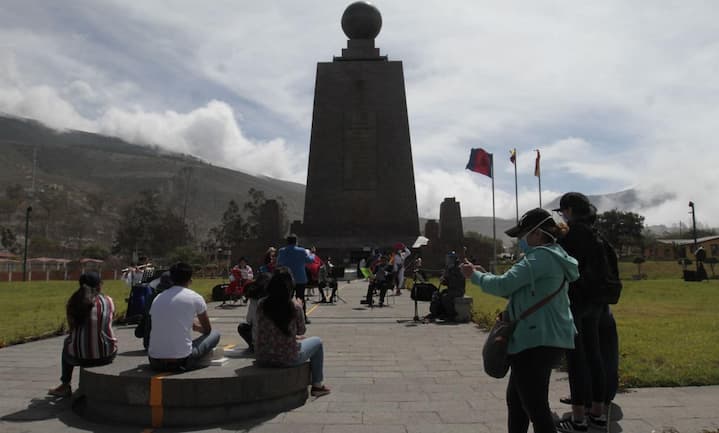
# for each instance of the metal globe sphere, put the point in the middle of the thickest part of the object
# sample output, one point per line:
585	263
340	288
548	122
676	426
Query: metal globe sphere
361	20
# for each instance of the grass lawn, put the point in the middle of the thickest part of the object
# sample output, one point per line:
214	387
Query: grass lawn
668	330
29	310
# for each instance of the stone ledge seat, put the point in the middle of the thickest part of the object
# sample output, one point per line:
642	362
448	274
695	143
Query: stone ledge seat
129	392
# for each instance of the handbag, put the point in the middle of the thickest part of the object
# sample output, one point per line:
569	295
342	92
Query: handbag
494	352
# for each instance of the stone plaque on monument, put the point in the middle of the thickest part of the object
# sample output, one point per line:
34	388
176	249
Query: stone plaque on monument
360	178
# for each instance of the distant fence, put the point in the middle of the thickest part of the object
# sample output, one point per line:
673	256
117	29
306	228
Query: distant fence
74	275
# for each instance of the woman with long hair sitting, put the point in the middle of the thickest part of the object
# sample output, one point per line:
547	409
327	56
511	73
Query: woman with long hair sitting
91	341
279	329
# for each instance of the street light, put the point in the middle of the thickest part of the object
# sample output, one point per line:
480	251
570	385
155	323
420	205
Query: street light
694	223
27	231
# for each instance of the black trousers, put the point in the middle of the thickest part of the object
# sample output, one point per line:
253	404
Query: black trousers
300	293
528	390
245	331
585	366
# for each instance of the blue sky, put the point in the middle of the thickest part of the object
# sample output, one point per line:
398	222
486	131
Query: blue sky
615	94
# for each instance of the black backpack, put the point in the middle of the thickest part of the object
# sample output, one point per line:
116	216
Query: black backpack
600	274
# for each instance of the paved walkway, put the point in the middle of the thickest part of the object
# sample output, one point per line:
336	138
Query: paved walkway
386	377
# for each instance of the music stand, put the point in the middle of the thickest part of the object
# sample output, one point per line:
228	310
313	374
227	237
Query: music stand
337	273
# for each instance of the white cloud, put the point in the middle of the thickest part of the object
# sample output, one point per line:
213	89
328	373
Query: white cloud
210	132
614	95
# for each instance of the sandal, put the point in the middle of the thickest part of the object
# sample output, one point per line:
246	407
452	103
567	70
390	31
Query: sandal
319	391
61	391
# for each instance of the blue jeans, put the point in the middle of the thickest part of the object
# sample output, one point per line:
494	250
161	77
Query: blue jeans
311	348
201	346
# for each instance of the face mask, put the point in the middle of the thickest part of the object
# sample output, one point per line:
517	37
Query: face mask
523	245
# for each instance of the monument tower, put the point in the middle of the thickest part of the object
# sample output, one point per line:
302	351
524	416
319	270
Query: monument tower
360	179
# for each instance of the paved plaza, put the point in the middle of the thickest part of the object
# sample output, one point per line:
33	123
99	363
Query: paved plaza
386	376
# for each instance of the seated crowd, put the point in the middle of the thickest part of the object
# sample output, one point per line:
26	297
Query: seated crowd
274	328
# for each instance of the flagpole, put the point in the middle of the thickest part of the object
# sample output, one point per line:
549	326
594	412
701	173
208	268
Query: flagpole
538	173
493	262
516	192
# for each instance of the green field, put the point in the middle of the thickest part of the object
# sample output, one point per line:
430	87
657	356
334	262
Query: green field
29	310
668	328
668	331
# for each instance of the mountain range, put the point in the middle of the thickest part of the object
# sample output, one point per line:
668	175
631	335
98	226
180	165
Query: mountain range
74	173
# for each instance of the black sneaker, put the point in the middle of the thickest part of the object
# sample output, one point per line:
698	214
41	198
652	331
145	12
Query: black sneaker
569	425
307	321
598	421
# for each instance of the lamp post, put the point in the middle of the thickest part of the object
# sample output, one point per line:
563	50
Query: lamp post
694	224
27	235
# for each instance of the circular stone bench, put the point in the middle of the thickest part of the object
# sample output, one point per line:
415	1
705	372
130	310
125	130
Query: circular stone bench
129	392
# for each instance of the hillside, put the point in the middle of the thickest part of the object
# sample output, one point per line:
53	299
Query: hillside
85	176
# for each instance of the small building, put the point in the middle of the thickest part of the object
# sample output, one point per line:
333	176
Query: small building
672	249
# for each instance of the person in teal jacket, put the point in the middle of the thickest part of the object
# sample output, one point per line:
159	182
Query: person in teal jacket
540	339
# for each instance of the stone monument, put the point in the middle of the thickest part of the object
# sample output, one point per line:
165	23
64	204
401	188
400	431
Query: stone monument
360	178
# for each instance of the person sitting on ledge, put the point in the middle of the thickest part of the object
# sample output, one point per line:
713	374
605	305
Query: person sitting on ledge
91	341
279	328
176	312
442	305
382	281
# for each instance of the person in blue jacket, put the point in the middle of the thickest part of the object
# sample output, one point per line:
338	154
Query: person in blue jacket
295	258
540	339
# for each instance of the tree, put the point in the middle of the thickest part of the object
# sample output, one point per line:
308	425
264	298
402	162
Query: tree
622	229
14	192
9	240
185	254
149	229
95	252
96	202
638	261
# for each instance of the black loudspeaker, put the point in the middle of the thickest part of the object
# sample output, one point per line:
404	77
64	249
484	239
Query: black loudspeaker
337	272
423	292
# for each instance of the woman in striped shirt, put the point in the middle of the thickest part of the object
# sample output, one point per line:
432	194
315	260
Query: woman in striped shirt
91	341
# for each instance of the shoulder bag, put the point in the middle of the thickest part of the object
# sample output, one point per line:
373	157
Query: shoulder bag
494	352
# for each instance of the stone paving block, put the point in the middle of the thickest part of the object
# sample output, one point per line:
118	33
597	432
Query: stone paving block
325	418
288	428
376	388
417	406
313	406
359	406
397	396
386	417
338	395
450	428
364	428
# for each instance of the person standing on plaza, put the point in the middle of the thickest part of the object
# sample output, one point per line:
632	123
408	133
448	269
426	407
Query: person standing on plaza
91	341
400	256
176	312
585	360
296	258
269	261
539	339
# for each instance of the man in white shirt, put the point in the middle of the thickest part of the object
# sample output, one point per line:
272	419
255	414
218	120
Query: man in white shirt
176	312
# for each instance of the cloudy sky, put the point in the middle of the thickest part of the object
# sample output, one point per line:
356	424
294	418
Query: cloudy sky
615	94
